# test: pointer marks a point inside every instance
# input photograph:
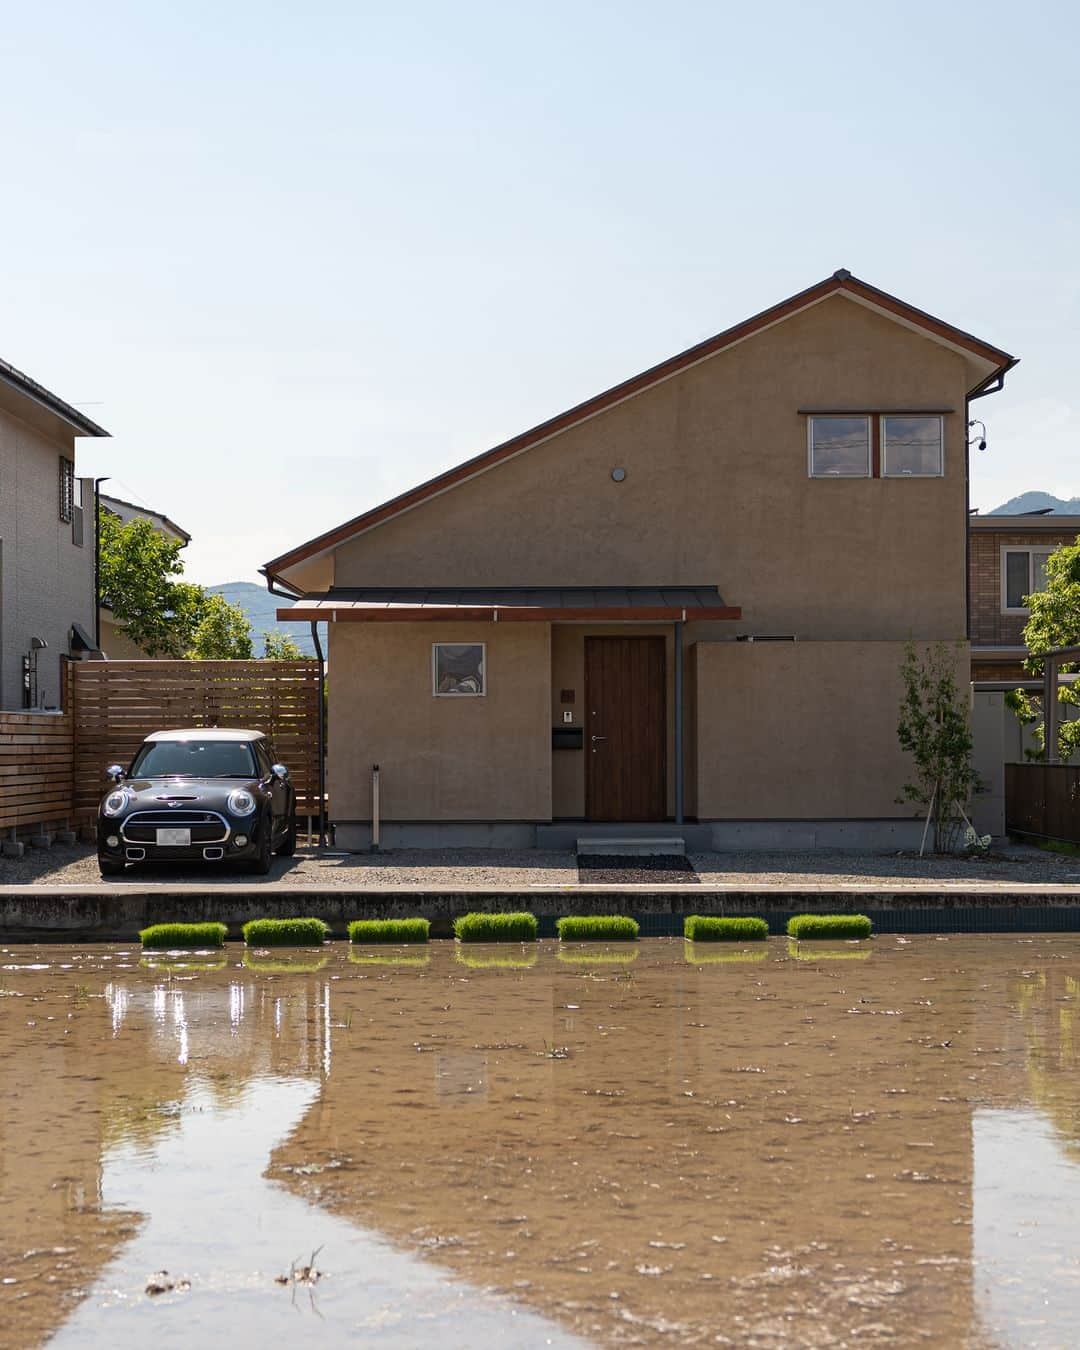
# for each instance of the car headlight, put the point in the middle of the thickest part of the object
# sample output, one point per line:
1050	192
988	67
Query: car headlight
116	802
241	802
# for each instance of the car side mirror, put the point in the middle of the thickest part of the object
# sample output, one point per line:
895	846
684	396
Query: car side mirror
115	772
280	771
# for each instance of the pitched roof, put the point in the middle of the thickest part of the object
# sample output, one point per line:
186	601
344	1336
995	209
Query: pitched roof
31	389
992	363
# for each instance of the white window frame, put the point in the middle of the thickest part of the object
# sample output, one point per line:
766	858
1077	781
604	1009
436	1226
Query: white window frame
461	693
883	468
1030	550
846	417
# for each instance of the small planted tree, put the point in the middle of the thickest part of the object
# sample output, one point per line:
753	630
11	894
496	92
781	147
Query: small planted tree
935	729
1054	621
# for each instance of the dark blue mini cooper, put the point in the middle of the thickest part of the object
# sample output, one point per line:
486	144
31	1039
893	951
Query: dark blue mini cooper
198	796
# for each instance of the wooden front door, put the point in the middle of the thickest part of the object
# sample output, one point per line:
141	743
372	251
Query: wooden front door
625	728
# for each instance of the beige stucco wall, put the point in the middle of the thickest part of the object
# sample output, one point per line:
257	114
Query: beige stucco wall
804	730
46	582
115	642
717	492
459	759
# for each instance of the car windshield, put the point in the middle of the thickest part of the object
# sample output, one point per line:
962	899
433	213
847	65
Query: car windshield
195	759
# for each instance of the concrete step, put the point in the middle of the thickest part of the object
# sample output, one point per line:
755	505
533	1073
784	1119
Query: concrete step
634	846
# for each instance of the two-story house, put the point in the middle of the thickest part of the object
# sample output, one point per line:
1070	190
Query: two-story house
1008	563
47	542
680	605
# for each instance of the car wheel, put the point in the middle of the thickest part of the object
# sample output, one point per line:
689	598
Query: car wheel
260	864
110	867
287	847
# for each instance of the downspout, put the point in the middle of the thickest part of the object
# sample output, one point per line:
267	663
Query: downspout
97	559
322	732
679	721
993	384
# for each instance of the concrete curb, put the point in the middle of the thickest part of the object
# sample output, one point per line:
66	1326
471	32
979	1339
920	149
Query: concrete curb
110	912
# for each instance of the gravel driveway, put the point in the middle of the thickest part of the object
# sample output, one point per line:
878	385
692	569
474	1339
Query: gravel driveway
74	865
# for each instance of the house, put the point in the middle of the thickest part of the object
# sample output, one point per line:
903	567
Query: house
114	641
679	607
47	542
1007	564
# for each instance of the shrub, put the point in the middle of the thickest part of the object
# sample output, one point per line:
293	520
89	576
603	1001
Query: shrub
708	955
803	926
496	928
365	958
176	936
597	928
581	956
707	928
389	930
285	932
497	960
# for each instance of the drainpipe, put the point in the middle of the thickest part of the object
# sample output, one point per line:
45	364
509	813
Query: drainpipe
678	722
322	732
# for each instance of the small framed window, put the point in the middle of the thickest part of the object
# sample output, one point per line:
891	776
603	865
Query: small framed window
911	447
1023	573
458	670
839	447
67	489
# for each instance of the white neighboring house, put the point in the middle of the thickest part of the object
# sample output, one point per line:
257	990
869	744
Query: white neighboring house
115	643
47	542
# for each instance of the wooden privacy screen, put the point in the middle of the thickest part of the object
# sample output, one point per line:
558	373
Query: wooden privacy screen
1043	800
35	768
115	704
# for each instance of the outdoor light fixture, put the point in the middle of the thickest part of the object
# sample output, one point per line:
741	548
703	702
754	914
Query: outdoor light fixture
978	441
617	475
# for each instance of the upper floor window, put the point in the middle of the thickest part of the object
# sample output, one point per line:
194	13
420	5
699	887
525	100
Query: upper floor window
67	489
1023	573
911	447
839	447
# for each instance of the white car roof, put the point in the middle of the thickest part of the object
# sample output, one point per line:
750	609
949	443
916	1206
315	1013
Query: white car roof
206	734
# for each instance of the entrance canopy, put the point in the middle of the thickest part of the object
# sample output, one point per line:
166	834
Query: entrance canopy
504	604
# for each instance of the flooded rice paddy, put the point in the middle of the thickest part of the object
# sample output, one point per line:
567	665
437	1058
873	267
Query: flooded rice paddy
851	1146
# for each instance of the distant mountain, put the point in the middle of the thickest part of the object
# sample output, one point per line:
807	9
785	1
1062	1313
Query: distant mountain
261	609
1038	501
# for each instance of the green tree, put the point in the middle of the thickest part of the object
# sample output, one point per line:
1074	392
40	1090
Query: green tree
280	647
1053	621
138	578
222	631
935	729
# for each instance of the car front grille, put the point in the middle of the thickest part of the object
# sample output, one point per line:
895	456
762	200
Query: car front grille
207	827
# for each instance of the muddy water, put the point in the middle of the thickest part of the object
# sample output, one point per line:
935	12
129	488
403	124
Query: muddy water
875	1145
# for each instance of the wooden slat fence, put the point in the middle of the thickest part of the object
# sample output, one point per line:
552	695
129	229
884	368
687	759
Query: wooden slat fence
1043	800
115	704
35	769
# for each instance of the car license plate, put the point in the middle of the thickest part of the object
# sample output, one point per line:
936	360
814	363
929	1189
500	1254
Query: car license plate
174	838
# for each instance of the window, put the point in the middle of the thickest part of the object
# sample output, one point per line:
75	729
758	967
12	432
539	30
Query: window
67	489
839	447
1023	573
911	447
457	670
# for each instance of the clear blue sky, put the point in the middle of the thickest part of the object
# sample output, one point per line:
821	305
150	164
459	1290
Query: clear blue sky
299	257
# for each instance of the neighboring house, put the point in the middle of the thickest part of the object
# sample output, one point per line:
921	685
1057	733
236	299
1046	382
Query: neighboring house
545	641
47	539
1008	563
115	643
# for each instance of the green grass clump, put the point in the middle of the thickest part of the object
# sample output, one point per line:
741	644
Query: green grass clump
707	928
709	955
496	960
285	932
597	928
389	930
496	928
804	926
583	957
175	936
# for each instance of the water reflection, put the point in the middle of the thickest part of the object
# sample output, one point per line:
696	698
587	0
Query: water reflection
689	1146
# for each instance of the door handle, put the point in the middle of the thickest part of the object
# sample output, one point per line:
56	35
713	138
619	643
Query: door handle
598	738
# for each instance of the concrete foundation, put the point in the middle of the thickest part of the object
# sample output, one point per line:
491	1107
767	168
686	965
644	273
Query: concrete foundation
797	836
355	835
